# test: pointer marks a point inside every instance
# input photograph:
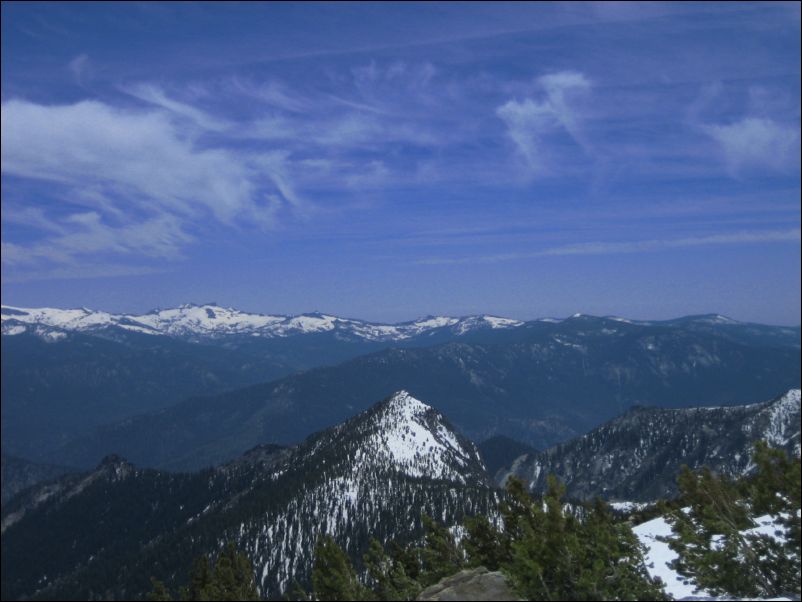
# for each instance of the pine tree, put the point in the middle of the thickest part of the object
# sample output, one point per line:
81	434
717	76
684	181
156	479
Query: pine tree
200	579
482	543
555	556
440	556
333	576
233	577
407	558
612	560
159	593
711	535
388	578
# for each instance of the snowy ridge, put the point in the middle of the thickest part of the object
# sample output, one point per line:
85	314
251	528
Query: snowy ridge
211	320
637	456
781	421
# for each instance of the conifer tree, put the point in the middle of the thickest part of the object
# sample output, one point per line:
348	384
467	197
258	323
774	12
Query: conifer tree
406	558
388	578
440	556
200	579
231	578
159	593
482	543
333	576
711	533
555	556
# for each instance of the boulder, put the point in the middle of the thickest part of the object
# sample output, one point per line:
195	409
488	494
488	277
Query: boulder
471	584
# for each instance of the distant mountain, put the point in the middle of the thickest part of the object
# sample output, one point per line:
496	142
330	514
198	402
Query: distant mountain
212	321
53	390
499	452
106	532
637	456
18	474
540	383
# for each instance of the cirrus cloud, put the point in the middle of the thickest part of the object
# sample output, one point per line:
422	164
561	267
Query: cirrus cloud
530	122
163	179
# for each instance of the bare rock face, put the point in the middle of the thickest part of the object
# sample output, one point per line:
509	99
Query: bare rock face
471	584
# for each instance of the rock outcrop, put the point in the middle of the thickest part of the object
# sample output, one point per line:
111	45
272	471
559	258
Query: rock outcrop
471	584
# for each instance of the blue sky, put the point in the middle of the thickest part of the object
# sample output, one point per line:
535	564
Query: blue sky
387	161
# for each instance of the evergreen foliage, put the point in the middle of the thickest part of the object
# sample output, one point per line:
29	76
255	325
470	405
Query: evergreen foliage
547	552
230	578
713	531
439	555
556	556
482	543
333	575
387	575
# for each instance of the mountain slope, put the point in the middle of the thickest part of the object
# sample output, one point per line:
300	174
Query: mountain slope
499	452
18	474
638	455
53	390
107	531
541	384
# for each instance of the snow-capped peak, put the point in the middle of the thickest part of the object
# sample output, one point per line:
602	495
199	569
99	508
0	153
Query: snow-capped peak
416	440
403	435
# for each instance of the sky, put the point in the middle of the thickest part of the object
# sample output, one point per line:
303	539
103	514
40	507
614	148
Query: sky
392	160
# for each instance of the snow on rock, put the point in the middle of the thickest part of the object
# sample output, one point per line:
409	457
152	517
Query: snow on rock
203	319
210	320
14	329
464	325
628	506
68	319
653	534
430	322
412	436
659	555
780	418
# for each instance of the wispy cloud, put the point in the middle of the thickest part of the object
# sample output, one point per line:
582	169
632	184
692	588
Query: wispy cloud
530	122
155	95
80	67
161	181
757	142
638	246
86	234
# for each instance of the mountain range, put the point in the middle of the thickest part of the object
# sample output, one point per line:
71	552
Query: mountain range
540	383
637	456
108	530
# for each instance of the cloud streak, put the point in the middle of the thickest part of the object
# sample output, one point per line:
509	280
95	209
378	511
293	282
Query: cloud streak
639	246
